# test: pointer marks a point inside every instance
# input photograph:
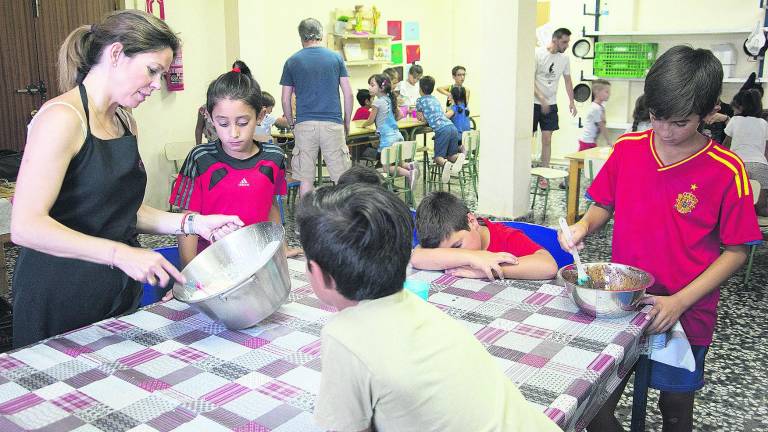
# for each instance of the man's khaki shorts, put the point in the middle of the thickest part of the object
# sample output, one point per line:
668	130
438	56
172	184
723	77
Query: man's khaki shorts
327	137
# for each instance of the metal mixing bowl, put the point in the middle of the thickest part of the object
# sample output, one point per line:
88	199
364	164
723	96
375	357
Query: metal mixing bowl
239	288
614	290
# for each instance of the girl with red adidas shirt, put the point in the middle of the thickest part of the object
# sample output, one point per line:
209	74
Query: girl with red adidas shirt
233	175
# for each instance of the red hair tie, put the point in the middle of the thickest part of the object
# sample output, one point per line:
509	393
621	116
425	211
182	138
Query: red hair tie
236	69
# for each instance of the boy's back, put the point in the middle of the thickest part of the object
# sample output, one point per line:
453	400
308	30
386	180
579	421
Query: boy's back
419	368
433	112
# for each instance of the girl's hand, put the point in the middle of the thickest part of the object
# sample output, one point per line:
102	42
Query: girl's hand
214	227
145	266
665	313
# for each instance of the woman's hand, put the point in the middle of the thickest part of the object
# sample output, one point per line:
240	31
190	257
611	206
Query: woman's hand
214	227
145	266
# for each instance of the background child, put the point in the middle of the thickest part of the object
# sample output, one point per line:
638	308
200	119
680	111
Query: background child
459	73
364	98
390	360
408	89
458	112
361	174
746	134
594	124
674	190
446	136
263	130
384	114
641	118
452	239
234	175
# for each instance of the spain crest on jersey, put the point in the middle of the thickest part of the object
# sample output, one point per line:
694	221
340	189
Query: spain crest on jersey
686	201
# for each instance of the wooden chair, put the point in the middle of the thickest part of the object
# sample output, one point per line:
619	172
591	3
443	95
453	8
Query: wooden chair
755	185
471	141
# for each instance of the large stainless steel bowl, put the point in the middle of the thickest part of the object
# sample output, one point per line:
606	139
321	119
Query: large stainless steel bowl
240	287
613	290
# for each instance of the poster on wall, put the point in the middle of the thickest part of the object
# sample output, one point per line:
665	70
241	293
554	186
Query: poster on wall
395	29
397	53
411	31
412	53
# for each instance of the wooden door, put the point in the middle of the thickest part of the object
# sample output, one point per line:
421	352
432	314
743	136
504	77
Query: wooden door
31	32
18	66
55	20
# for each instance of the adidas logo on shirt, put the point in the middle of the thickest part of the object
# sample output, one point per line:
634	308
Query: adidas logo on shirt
244	183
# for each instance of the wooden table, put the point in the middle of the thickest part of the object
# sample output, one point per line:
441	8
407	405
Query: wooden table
360	136
574	176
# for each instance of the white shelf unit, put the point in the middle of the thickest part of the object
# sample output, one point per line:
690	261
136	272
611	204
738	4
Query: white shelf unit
368	43
361	36
367	62
665	33
737	80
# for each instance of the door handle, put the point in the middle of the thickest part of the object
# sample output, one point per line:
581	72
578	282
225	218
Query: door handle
33	89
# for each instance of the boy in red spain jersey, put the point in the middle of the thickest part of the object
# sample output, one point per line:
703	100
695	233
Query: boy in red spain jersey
676	197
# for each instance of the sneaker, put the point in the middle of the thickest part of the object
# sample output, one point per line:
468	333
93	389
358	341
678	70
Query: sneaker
458	164
447	168
413	175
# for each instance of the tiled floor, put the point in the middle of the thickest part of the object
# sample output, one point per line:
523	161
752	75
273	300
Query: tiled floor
735	396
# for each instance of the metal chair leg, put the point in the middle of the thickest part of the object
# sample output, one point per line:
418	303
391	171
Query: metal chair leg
749	265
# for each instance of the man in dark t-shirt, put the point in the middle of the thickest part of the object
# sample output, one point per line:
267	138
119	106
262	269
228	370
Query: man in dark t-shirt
314	74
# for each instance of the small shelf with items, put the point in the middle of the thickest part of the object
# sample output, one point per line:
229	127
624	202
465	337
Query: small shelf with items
355	37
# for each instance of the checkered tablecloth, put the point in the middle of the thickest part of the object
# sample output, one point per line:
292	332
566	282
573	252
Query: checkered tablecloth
169	367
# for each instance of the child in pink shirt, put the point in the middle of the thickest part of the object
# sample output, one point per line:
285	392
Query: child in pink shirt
233	175
676	196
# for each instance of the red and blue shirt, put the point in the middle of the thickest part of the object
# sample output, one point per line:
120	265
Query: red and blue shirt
670	220
212	182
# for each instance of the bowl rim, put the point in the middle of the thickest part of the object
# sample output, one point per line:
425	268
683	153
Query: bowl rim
651	282
240	281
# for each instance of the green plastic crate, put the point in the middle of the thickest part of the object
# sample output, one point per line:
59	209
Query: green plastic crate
614	72
626	51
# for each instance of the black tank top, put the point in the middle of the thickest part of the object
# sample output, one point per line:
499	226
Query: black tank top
103	187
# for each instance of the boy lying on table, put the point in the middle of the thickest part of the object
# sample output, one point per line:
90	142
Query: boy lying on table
391	361
451	238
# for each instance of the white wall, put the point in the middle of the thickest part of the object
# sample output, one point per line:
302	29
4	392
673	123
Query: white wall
171	116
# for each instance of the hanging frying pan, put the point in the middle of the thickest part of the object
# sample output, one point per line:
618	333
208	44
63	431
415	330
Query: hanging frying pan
582	92
581	48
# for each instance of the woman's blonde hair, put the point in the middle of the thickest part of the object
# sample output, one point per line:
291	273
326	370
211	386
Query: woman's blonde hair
138	31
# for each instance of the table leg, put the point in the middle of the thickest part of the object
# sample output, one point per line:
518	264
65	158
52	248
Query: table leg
4	238
574	174
640	395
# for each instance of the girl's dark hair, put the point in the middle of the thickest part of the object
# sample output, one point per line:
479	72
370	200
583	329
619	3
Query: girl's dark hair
243	67
749	102
137	31
267	100
640	114
385	84
459	95
362	96
683	81
234	86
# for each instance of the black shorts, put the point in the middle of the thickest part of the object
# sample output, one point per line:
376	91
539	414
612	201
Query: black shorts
547	121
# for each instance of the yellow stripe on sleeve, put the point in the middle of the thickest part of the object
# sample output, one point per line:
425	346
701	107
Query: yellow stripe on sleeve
732	168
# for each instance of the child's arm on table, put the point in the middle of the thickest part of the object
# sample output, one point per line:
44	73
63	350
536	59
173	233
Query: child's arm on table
667	309
538	265
484	262
371	117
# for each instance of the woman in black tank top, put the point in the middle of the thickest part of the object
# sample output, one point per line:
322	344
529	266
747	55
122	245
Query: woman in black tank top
78	203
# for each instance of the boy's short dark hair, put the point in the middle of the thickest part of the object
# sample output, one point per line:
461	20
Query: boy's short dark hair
427	85
360	235
267	100
562	31
683	81
439	215
362	96
361	174
416	70
456	70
